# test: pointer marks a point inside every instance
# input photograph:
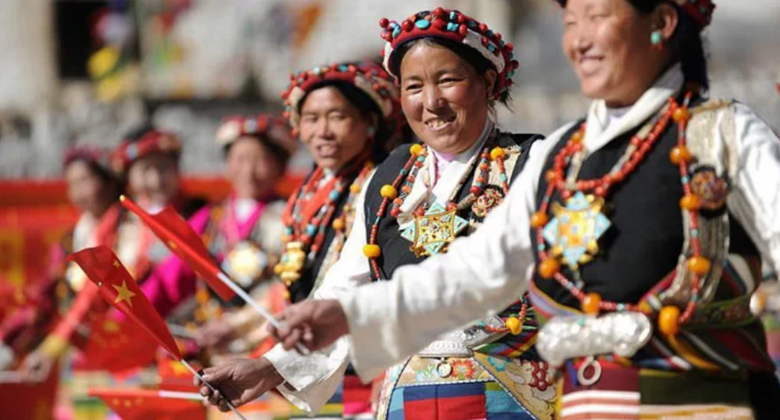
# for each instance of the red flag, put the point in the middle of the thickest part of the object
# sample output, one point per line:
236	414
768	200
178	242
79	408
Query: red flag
117	346
179	237
119	288
142	404
174	376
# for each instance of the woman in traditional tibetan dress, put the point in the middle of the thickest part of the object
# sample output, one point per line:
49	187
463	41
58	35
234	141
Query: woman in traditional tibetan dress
452	71
148	161
645	220
348	116
92	188
243	233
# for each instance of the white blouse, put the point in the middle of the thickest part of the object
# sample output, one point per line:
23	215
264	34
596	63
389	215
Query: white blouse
484	272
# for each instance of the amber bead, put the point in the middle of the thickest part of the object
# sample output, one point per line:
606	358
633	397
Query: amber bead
548	268
576	137
699	265
388	191
681	114
514	325
202	296
591	303
372	251
354	188
338	224
669	320
690	202
539	219
415	149
497	153
680	154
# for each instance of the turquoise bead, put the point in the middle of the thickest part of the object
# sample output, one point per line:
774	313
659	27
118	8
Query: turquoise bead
422	24
452	27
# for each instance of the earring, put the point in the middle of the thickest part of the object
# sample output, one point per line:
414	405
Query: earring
371	131
657	39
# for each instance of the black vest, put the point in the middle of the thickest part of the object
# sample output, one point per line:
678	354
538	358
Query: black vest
645	239
300	289
395	249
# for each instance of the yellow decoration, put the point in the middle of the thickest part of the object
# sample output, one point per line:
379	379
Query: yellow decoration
103	61
388	191
354	188
690	202
514	325
415	149
372	251
681	114
699	265
497	153
338	224
590	304
680	154
539	219
548	268
669	320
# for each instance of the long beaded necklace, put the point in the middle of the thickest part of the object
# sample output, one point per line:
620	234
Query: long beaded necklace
308	216
581	220
407	176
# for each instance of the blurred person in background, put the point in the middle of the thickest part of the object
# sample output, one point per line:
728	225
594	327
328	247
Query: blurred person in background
147	161
244	233
420	198
646	222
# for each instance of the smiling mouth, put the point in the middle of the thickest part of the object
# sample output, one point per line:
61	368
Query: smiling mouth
437	124
327	150
589	65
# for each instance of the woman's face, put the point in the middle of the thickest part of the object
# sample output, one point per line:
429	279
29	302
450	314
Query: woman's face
444	99
332	128
608	44
86	189
252	168
153	180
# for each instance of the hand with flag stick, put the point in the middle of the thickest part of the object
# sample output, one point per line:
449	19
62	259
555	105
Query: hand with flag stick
179	237
119	289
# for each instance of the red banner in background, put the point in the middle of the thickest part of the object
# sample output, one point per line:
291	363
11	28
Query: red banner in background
35	214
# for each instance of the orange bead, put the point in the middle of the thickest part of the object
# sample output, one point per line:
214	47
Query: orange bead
681	114
372	251
699	265
591	303
497	153
669	320
354	188
548	268
514	325
680	154
539	219
690	202
388	191
550	176
576	137
338	224
415	149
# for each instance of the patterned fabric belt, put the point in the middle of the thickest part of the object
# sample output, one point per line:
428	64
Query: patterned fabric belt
596	387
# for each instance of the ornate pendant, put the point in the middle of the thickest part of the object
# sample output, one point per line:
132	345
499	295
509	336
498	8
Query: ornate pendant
433	231
575	230
292	262
245	263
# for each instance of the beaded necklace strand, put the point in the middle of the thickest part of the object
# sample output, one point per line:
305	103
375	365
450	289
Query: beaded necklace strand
669	318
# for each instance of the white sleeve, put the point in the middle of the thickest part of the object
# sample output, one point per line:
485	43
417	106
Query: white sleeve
315	378
755	197
479	274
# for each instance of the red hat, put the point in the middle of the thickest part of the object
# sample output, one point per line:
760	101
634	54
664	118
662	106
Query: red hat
89	154
152	141
454	26
266	127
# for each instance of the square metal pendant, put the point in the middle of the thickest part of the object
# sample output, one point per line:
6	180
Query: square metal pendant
433	231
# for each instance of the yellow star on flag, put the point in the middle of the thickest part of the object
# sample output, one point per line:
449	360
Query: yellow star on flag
117	264
123	293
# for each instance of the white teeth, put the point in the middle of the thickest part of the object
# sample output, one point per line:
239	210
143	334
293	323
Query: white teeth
436	123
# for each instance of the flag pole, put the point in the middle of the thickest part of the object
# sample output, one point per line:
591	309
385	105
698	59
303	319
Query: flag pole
211	387
259	308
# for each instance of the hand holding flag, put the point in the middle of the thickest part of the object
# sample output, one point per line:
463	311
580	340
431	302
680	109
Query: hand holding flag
118	287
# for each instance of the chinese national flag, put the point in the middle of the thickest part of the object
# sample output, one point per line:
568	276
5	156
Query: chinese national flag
142	404
119	288
174	376
179	237
118	346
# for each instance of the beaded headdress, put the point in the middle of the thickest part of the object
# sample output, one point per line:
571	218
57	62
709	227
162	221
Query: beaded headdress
267	127
700	10
153	141
454	26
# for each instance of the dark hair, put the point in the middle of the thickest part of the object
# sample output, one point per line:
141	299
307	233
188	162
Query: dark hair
364	104
466	53
112	184
686	43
